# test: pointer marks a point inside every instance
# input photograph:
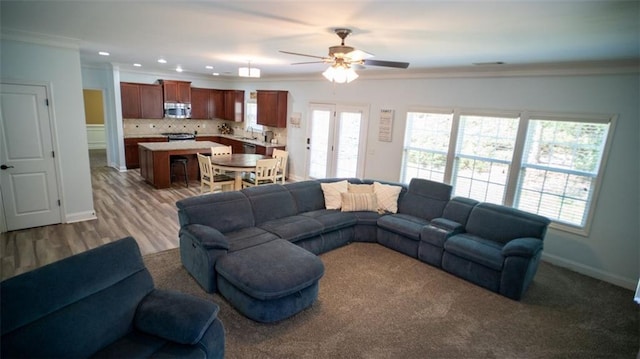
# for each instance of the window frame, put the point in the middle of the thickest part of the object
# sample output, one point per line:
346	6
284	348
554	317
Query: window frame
513	182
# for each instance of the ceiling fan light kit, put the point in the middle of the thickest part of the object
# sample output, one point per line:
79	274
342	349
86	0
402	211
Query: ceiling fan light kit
341	57
340	73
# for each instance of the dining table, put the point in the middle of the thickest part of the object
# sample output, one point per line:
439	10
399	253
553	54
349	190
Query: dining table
238	163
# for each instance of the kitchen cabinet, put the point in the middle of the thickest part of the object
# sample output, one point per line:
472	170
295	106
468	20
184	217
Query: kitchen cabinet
236	145
272	108
218	104
234	105
131	155
200	104
176	91
141	100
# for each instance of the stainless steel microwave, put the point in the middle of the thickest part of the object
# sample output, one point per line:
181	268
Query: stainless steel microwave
177	110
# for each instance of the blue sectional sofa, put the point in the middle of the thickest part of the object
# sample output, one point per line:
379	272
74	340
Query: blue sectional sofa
493	246
102	303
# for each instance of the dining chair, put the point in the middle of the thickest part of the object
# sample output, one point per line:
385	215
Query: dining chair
221	151
210	178
265	173
283	156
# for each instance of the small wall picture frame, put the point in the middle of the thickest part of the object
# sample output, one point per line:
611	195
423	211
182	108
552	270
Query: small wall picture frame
385	126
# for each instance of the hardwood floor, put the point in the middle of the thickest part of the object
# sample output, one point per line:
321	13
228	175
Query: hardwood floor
125	206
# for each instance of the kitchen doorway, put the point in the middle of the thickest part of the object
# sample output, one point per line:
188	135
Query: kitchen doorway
336	141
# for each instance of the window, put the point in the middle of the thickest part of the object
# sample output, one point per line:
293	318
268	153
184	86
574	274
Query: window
484	152
252	117
542	163
560	168
427	142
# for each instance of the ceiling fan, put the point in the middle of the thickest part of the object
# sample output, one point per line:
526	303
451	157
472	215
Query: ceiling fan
342	57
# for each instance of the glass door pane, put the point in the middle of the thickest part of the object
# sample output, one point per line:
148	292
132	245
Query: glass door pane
348	144
321	123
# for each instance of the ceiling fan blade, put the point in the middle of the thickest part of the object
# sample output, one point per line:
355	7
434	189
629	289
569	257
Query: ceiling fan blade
399	65
358	55
298	54
308	62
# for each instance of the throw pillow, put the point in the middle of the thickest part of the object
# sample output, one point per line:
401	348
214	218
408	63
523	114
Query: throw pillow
360	188
359	202
387	196
331	191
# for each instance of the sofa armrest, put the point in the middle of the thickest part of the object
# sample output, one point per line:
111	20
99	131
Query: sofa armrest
175	316
522	247
447	224
208	237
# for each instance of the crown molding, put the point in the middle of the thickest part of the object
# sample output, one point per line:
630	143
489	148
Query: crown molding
583	68
40	39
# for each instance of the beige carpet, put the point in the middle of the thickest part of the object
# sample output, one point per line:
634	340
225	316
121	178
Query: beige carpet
377	303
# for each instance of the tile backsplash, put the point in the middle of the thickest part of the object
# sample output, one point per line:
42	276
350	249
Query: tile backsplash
140	127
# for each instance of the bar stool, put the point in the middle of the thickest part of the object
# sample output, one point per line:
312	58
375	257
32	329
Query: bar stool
180	161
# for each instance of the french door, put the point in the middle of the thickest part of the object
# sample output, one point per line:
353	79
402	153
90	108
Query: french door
337	140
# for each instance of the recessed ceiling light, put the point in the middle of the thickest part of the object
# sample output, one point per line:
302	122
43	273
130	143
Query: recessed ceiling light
179	69
103	53
216	74
208	67
162	61
137	65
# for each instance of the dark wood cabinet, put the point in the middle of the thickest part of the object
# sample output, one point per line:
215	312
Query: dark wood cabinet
272	108
151	105
141	100
132	158
200	104
176	91
130	99
218	104
234	105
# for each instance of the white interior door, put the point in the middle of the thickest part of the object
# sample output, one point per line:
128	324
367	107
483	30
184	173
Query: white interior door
335	144
28	179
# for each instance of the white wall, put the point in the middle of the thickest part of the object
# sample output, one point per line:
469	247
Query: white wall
610	252
59	68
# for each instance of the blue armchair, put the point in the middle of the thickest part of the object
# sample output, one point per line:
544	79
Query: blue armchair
102	303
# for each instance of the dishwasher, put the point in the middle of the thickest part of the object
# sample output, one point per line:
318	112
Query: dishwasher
249	147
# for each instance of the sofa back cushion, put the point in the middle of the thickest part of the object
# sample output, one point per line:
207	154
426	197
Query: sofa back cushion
74	307
225	211
425	199
270	202
502	224
308	195
458	209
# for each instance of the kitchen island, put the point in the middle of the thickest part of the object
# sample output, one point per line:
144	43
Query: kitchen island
155	163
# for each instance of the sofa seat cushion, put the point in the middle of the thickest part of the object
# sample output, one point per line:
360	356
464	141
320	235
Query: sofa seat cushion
248	237
403	224
332	220
475	249
294	228
262	273
367	218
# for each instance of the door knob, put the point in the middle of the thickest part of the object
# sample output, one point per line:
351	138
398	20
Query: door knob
4	167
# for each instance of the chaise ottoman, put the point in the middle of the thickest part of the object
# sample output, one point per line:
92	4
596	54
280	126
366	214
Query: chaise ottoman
271	281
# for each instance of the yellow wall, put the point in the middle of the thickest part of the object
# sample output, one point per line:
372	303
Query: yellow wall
93	107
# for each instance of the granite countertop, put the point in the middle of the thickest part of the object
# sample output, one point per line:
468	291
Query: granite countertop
232	137
178	145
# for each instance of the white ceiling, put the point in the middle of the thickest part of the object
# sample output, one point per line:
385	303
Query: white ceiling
428	34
